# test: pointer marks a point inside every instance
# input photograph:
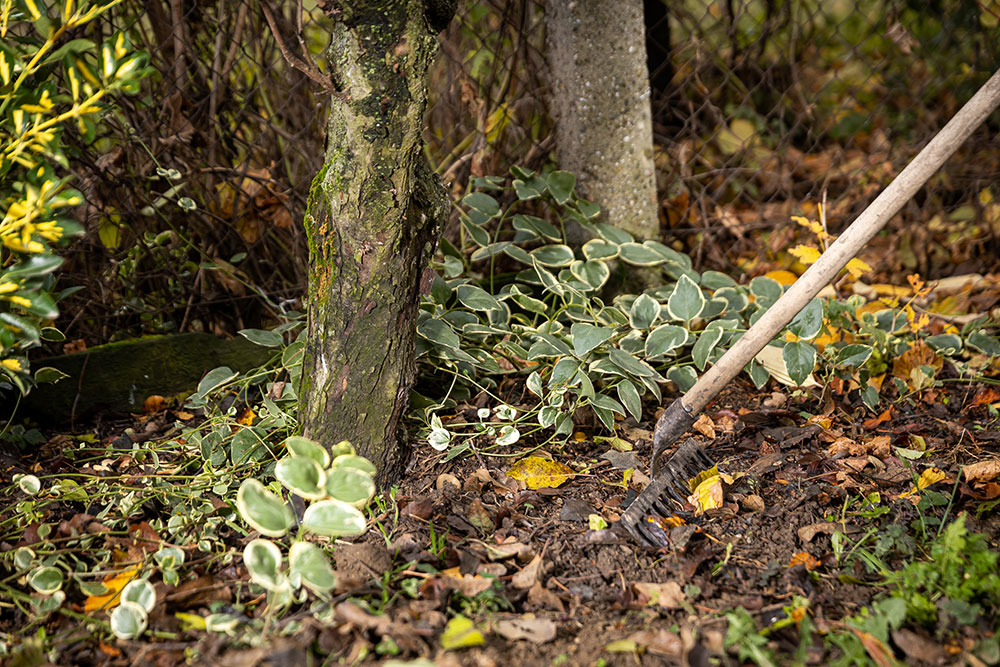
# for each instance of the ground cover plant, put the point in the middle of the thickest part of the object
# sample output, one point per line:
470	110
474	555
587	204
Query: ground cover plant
846	522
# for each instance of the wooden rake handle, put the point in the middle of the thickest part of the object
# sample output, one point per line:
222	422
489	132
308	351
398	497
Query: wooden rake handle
679	416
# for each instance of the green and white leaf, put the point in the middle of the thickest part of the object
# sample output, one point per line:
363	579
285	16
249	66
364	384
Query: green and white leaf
312	566
354	487
644	312
299	446
683	376
586	337
629	396
554	255
141	592
262	559
129	620
703	347
354	461
265	512
665	338
333	518
46	580
772	358
687	300
600	250
302	476
808	322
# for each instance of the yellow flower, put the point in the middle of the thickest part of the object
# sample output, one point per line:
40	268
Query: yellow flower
11	364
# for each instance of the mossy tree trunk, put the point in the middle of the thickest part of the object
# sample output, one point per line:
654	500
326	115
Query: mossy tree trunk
372	224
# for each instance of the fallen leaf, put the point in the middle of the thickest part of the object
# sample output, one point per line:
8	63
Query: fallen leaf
805	558
705	426
786	278
908	366
540	597
919	649
621	646
528	575
461	633
667	595
986	396
153	403
535	630
508	549
537	472
707	495
982	471
467	584
114	583
807	533
659	642
754	503
596	522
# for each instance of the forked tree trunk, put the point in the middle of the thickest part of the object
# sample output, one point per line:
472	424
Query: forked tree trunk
372	223
600	100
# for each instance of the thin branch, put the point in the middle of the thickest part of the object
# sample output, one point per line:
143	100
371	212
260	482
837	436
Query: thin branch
307	68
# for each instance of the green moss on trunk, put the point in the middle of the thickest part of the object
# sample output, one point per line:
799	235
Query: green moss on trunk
372	219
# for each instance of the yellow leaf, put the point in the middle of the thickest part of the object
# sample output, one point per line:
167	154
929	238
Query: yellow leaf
856	267
805	558
247	417
596	522
805	253
114	583
622	646
786	278
537	472
461	633
707	495
190	621
930	476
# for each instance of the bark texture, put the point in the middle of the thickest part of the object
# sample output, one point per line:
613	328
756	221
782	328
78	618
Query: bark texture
600	100
372	223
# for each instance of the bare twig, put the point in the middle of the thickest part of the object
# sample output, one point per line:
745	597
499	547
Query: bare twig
307	67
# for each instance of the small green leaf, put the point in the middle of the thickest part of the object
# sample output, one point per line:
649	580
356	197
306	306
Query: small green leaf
491	250
946	344
352	486
665	338
508	435
800	360
49	375
141	592
440	333
536	226
686	302
262	337
854	355
302	476
629	396
46	580
984	343
476	298
644	312
214	379
28	484
586	337
313	566
639	254
715	280
809	321
561	184
354	461
600	250
765	290
264	511
703	347
333	518
262	559
683	376
299	446
128	620
526	190
630	364
758	374
482	202
592	272
553	255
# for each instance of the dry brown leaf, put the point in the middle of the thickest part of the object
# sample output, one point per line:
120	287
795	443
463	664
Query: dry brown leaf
666	595
705	426
807	533
535	630
528	574
659	642
982	471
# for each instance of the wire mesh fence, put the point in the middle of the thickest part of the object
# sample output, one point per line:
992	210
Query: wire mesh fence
762	108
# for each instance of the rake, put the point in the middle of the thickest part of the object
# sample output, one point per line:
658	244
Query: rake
669	479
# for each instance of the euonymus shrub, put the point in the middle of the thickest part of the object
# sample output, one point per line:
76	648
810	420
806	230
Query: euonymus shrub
51	84
516	300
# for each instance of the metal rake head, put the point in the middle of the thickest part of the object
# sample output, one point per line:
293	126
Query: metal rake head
669	483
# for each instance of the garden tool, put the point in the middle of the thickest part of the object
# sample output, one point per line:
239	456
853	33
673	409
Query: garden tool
669	479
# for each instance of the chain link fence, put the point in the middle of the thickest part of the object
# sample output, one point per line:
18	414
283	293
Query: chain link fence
762	108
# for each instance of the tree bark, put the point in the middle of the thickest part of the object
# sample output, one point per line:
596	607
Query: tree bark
600	101
372	223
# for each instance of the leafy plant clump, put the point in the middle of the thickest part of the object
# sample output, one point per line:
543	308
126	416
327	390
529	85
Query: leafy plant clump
51	85
514	300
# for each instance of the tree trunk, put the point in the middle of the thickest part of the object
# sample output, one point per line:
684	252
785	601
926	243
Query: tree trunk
372	224
600	100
